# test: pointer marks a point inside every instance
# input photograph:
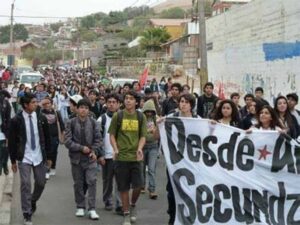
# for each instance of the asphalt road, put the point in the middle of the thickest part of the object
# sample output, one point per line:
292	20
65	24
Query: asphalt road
57	206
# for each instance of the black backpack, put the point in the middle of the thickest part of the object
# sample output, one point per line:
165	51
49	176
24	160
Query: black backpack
103	122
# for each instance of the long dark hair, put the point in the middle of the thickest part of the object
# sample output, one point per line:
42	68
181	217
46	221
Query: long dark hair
274	122
52	94
235	118
287	114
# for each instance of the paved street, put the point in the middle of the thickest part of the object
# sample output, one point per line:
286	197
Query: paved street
57	206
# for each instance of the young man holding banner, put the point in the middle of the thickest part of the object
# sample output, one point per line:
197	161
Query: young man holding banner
186	104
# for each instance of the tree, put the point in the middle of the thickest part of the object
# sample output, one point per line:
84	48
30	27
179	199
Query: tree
88	21
114	17
83	34
55	26
88	36
132	52
139	24
173	13
133	12
19	33
152	38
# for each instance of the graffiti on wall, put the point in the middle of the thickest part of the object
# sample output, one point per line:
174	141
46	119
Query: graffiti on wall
269	84
252	80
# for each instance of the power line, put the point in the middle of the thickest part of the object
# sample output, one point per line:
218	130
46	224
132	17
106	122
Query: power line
134	3
40	17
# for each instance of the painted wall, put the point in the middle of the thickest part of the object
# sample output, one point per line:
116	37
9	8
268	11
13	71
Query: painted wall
257	44
175	31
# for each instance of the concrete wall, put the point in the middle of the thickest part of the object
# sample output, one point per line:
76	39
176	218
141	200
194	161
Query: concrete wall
257	44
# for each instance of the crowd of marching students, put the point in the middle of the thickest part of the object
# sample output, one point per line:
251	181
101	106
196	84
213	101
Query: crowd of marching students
115	128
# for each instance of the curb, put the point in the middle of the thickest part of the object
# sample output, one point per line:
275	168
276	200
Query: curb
6	184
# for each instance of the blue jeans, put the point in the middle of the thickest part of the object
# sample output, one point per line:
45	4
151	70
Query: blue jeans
150	159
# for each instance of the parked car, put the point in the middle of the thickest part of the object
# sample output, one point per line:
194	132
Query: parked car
22	69
30	78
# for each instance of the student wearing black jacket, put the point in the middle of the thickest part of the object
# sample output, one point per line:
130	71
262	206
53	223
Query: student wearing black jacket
5	110
54	120
29	144
292	102
228	114
250	119
206	101
185	110
170	104
287	120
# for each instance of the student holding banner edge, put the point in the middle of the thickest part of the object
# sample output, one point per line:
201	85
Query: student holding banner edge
287	120
227	114
186	104
267	120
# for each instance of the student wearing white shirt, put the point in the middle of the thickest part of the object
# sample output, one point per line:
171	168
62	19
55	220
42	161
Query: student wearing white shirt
108	173
29	144
14	95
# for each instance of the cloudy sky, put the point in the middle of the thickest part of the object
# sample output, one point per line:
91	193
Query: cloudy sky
61	8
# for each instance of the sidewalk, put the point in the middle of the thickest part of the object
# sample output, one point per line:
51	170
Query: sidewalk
6	183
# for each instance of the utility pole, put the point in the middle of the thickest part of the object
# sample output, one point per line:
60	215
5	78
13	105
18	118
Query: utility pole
78	41
11	38
202	44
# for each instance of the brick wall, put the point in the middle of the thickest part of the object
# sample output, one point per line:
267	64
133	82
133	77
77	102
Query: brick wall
257	44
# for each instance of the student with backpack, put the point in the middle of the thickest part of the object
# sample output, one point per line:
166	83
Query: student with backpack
113	105
82	138
127	136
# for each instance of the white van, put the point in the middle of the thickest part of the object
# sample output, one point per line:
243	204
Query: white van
121	81
29	78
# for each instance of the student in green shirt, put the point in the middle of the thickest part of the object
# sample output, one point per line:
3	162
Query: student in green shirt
127	136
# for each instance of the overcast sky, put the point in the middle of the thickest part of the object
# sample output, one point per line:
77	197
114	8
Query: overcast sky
62	8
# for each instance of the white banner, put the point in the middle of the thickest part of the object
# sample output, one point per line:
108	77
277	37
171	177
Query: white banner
221	175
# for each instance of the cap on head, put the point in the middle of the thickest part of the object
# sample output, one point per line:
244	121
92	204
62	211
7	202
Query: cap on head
76	98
